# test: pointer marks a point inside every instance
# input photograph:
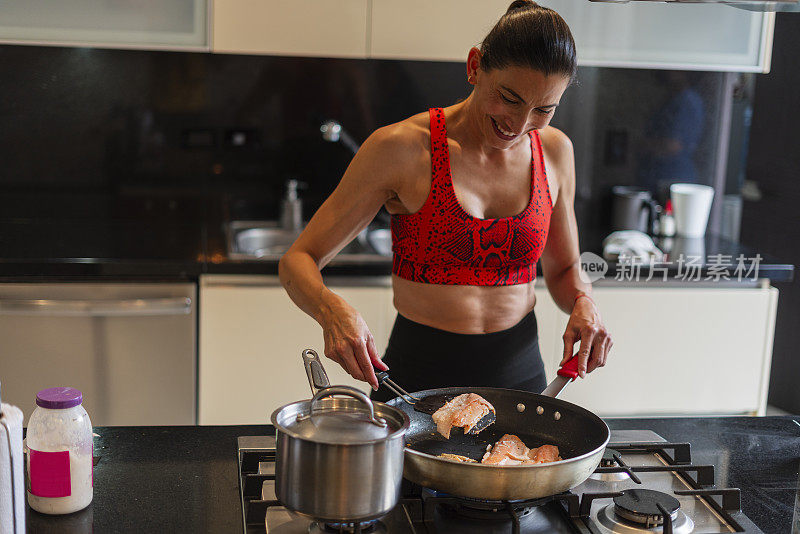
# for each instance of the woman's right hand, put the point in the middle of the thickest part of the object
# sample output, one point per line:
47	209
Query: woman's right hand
369	183
349	343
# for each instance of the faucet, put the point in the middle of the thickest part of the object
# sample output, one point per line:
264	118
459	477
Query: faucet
332	131
292	207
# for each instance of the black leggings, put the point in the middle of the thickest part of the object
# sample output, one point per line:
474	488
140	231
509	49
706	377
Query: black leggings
422	357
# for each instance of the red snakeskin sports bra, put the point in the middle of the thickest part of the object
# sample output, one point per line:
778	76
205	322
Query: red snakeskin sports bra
443	244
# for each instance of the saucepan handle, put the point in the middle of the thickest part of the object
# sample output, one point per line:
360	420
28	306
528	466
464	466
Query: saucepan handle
317	377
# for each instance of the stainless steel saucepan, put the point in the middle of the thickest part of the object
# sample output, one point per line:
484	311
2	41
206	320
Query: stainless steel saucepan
339	456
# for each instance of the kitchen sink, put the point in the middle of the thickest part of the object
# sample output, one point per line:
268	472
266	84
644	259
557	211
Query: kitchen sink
262	241
267	241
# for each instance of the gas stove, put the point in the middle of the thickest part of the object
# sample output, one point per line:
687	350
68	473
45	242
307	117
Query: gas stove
643	484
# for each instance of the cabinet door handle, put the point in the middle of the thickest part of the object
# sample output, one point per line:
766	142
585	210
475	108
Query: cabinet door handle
97	308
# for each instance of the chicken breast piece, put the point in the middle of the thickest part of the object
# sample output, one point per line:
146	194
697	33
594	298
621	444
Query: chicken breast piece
463	411
544	454
457	458
510	450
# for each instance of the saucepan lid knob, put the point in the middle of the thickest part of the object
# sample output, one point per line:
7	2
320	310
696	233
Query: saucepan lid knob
341	420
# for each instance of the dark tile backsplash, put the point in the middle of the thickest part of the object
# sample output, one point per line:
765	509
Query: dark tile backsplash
169	130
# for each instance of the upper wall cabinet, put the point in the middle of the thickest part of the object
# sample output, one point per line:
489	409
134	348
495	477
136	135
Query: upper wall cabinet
290	27
636	34
431	29
152	24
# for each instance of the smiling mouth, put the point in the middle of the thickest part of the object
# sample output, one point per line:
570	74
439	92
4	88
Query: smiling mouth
501	133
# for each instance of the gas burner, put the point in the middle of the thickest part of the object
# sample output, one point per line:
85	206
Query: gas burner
610	522
364	527
646	506
489	512
608	460
486	509
480	504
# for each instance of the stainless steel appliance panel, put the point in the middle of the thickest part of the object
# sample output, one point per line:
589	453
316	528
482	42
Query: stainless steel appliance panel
129	347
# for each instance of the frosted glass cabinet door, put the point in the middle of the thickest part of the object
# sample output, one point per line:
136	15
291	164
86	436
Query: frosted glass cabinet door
637	34
153	24
668	35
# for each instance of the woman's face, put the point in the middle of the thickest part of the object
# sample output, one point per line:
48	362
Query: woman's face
513	101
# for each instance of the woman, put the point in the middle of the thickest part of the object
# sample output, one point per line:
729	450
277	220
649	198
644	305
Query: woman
472	211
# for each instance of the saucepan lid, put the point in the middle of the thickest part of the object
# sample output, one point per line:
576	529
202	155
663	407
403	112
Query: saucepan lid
338	414
330	419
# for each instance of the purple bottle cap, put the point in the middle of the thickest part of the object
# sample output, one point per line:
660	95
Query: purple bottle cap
59	398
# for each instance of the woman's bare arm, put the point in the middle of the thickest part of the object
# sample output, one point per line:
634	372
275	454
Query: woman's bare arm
374	176
561	264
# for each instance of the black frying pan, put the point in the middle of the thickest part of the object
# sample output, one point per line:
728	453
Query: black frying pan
537	419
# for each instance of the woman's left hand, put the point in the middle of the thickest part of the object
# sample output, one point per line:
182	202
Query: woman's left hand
586	325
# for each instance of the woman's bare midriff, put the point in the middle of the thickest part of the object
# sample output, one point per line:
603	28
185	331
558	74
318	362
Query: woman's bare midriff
463	309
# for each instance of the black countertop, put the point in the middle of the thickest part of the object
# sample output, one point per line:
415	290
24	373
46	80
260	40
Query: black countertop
144	245
184	479
100	248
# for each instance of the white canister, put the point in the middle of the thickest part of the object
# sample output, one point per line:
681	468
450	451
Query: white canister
692	204
59	443
12	480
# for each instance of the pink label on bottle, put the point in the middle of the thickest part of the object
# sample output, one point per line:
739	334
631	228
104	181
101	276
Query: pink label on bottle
49	473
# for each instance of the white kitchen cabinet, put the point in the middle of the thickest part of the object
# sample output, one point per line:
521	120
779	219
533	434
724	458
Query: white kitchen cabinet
677	350
548	320
157	25
431	30
636	34
681	350
290	27
251	337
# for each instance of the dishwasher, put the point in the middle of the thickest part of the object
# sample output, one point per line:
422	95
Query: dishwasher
129	347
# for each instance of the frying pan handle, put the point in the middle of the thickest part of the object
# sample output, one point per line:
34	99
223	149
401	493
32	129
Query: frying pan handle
569	369
317	377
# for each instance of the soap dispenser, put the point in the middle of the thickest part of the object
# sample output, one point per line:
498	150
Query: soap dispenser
292	207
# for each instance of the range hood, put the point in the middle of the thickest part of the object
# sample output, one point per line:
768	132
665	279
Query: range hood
750	5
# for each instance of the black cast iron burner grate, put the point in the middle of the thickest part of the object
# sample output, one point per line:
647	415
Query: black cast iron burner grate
486	510
366	527
679	462
420	507
251	483
254	508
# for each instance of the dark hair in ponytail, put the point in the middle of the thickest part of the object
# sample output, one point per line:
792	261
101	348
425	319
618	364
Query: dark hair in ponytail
530	35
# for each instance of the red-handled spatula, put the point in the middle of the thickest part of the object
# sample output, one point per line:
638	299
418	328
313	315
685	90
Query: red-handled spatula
565	375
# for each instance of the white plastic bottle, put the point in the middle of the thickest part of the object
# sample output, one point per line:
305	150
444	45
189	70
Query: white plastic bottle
666	222
59	442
